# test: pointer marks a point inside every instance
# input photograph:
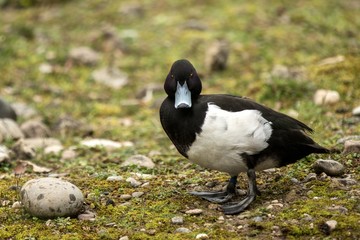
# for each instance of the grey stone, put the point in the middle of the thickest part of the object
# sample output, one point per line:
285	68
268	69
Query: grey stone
84	55
9	130
351	146
114	178
6	111
69	126
133	182
351	137
87	216
137	194
140	161
125	196
4	154
109	145
257	219
182	230
111	77
345	181
202	236
23	110
35	129
331	224
51	197
356	111
310	177
41	143
330	167
326	97
195	211
177	220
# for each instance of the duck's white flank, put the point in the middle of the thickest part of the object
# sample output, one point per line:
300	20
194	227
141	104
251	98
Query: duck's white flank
225	136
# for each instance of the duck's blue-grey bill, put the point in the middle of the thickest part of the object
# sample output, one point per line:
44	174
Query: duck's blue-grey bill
182	96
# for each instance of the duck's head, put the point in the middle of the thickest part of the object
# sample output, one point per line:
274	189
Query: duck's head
182	83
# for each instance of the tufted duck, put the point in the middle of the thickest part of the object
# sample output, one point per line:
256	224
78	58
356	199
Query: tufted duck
229	133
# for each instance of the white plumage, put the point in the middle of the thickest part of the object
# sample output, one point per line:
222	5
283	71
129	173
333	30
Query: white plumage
226	135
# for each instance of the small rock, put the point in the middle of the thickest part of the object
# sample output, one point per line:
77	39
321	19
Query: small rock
328	226
291	196
294	180
9	129
40	143
143	176
177	220
51	197
125	196
330	167
84	55
104	143
139	160
69	126
6	111
202	236
24	111
345	181
17	205
257	219
326	97
340	209
210	184
182	230
4	154
35	129
356	111
280	71
45	68
217	55
87	216
111	77
23	151
196	211
351	146
310	177
137	194
133	182
307	217
332	60
351	137
124	238
54	149
114	178
68	154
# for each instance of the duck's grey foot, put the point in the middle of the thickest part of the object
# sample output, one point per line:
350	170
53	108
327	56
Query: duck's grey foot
220	197
215	197
230	209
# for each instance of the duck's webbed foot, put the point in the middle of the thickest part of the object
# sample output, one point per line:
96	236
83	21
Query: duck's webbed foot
220	197
236	208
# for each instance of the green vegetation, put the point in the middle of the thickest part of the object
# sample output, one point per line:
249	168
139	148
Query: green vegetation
262	34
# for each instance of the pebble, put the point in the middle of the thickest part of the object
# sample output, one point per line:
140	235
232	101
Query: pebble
87	216
340	209
40	143
307	217
202	236
326	97
125	196
351	146
310	177
257	219
84	55
51	197
114	178
140	161
68	154
329	226
111	77
24	111
105	143
17	205
210	184
35	129
182	230
217	55
6	111
345	181
291	196
23	151
124	238
177	220
356	111
344	139
9	130
196	211
137	194
69	126
133	182
330	167
54	149
4	154
294	180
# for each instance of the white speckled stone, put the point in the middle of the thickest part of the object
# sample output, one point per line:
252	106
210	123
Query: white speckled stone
51	197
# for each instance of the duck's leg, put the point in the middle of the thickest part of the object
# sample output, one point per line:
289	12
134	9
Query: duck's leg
250	197
220	197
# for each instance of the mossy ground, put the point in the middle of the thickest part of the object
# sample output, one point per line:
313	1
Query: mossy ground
262	34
